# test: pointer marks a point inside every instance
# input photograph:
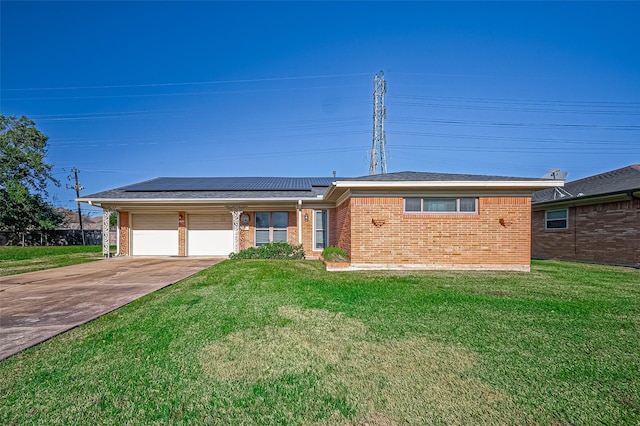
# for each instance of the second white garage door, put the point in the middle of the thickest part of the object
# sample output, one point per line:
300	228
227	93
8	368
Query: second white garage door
209	235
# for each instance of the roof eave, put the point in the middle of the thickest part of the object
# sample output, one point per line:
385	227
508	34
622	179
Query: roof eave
150	201
590	199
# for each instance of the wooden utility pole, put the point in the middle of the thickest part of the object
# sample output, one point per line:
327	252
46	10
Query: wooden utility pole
78	188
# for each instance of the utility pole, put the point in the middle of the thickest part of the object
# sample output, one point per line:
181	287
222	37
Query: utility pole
378	154
78	188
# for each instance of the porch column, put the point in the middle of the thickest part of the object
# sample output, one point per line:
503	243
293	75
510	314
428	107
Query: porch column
106	213
235	213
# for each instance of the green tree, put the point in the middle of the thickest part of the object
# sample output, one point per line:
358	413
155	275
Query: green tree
113	219
24	175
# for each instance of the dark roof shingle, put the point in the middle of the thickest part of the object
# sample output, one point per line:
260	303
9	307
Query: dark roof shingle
439	177
611	182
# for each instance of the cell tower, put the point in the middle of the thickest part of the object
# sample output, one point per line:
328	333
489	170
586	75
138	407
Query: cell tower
378	155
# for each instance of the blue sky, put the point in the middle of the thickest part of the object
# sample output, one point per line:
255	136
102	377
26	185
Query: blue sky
128	91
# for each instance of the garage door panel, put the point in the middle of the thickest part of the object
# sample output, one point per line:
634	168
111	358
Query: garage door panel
154	235
203	222
210	235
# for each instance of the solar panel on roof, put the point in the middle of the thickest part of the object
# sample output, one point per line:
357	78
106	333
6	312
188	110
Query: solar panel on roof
229	184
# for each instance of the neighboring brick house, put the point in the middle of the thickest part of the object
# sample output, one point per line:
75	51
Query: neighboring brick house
595	219
395	220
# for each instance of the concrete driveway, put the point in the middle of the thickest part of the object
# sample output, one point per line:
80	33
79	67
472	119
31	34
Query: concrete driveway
39	305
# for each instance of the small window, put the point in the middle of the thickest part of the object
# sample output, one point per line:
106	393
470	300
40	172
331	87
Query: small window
468	205
412	205
441	205
556	219
271	227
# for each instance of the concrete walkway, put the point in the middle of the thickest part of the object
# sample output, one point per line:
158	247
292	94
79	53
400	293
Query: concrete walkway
39	305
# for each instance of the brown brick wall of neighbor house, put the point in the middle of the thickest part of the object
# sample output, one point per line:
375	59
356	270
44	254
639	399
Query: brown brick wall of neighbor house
124	233
381	233
343	227
600	233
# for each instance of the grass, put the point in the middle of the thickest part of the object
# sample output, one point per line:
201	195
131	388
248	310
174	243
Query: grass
285	342
18	260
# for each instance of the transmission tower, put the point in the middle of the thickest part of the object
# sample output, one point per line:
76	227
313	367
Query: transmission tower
378	154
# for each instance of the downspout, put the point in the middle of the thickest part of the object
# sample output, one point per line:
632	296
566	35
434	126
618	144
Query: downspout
633	197
300	222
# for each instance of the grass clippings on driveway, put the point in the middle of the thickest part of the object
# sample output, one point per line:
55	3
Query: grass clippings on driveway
285	342
19	260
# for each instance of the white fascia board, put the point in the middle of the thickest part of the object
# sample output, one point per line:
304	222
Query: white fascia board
159	202
538	184
192	200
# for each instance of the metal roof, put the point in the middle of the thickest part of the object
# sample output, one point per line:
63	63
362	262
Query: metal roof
615	181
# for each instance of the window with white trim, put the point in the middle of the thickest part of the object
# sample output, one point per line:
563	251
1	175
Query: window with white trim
441	205
556	219
320	229
271	227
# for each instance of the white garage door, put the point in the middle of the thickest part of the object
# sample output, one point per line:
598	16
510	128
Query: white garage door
154	235
209	235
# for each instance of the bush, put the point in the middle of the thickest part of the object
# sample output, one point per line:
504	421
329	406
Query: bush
271	251
334	254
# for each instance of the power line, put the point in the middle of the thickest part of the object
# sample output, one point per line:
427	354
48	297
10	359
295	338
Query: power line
191	83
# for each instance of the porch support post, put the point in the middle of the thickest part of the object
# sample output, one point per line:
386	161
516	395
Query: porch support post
105	232
235	213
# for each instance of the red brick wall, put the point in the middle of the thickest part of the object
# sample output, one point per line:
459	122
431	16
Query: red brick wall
341	231
381	233
124	233
182	234
601	233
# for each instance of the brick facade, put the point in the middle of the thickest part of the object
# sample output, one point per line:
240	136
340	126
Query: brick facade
343	226
376	231
182	233
123	244
600	233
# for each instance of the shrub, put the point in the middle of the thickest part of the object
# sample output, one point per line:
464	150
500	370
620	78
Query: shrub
334	254
271	251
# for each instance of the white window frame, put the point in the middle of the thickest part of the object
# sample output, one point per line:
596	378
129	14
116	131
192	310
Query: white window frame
423	211
326	230
546	220
271	228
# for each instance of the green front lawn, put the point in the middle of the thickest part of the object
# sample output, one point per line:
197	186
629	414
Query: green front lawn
18	260
284	342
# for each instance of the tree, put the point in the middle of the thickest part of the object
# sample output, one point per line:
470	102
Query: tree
113	220
24	175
